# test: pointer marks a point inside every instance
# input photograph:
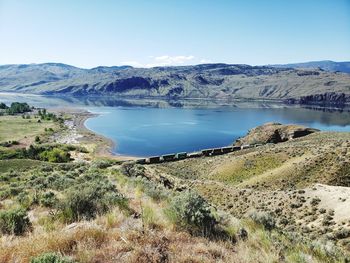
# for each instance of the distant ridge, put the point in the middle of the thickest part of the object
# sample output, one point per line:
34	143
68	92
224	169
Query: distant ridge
320	82
327	65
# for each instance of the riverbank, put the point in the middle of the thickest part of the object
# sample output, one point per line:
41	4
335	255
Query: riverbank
77	133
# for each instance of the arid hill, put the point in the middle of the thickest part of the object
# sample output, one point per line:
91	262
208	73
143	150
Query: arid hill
208	81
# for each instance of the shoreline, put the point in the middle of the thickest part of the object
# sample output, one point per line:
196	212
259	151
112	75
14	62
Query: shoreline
102	146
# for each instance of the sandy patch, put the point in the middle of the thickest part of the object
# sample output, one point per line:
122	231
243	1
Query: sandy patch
332	197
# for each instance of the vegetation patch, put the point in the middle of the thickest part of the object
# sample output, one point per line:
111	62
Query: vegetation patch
51	258
89	199
14	222
243	169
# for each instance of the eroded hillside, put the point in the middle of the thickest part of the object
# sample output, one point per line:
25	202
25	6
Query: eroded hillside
303	182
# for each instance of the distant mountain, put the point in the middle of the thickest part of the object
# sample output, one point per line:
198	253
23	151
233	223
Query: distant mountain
327	65
207	81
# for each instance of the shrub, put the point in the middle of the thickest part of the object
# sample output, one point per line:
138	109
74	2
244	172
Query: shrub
88	200
24	199
191	212
101	164
14	221
265	219
132	170
156	191
51	258
55	156
48	199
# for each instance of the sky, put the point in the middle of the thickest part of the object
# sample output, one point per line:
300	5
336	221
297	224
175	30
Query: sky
146	33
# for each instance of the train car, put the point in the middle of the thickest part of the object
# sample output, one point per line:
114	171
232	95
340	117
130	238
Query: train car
236	148
153	159
168	157
207	152
226	149
182	155
141	161
216	151
246	146
194	155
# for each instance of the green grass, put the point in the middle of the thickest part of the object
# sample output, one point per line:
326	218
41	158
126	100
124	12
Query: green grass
240	170
16	128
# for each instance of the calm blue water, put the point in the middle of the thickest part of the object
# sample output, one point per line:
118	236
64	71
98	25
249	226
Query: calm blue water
141	131
156	127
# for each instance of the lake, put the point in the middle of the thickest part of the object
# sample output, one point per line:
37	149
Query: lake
145	128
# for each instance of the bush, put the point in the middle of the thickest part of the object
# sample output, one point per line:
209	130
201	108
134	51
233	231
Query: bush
48	199
156	191
265	219
15	222
101	164
88	200
24	199
51	258
191	212
55	156
132	170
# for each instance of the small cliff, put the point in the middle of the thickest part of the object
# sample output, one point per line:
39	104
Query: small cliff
274	133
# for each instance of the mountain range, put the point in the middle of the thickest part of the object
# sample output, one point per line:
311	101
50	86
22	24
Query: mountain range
322	82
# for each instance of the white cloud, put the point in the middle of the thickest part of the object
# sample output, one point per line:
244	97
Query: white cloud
205	61
162	61
169	60
133	63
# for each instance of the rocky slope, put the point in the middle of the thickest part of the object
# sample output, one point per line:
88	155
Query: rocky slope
210	81
274	133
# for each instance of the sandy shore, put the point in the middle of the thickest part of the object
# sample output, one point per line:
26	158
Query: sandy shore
78	133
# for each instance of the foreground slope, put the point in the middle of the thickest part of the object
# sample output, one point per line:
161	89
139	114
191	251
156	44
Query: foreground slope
303	182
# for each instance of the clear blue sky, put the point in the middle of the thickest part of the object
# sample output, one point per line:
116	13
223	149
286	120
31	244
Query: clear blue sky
88	33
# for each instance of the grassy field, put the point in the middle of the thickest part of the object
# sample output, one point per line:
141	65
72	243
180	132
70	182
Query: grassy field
15	128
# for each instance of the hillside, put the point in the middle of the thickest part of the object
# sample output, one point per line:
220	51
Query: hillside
210	81
304	183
